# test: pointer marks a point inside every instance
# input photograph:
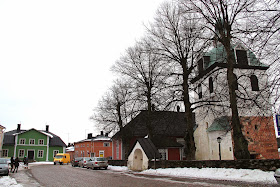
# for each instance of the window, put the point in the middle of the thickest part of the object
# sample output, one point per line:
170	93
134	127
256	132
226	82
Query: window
87	145
21	153
206	62
199	90
55	152
200	66
254	83
31	141
41	141
163	154
40	153
22	141
101	153
106	144
5	153
211	89
242	57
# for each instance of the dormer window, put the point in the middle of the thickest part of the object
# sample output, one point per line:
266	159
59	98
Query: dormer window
241	56
203	63
254	83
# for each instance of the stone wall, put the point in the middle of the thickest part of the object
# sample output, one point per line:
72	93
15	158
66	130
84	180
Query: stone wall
265	165
117	162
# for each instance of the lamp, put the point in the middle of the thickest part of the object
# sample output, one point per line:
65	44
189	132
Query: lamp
219	140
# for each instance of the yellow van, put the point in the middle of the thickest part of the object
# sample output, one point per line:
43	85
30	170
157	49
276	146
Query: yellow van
61	158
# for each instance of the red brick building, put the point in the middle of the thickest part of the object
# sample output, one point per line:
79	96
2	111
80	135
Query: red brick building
99	146
260	134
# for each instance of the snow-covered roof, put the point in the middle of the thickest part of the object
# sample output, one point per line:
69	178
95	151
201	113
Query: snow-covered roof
70	149
102	138
45	133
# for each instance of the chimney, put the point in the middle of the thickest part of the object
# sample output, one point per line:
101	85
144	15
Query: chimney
18	127
101	133
47	128
89	136
106	134
178	108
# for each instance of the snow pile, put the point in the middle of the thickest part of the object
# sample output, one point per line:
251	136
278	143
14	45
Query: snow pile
8	181
246	175
118	168
39	163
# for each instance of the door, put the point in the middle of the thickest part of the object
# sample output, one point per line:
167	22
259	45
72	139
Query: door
138	160
30	154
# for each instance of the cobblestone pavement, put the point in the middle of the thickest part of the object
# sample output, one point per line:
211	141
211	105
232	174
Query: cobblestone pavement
25	178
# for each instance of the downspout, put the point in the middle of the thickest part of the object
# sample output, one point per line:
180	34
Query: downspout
47	157
16	138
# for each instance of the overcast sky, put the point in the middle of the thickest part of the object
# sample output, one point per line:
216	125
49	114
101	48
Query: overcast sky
55	59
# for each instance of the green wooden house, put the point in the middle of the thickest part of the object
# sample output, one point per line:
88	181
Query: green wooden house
39	145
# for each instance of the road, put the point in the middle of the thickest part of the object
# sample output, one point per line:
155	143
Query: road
66	175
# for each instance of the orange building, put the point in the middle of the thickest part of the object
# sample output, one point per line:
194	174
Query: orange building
99	146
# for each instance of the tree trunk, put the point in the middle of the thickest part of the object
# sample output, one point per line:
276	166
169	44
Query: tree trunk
189	139
149	102
240	143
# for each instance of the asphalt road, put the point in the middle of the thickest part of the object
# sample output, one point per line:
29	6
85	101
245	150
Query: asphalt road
66	175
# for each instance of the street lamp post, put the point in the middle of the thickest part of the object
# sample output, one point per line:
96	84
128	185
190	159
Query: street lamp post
219	139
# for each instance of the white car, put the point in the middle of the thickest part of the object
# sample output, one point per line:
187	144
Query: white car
97	163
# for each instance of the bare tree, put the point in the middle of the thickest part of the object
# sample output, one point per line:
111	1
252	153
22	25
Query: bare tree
115	108
147	75
228	21
177	38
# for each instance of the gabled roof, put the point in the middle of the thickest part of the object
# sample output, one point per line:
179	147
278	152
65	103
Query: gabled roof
148	147
47	134
164	123
9	137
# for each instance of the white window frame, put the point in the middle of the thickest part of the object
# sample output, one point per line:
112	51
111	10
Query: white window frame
7	152
38	154
21	139
106	144
57	151
21	155
41	143
163	152
31	140
100	152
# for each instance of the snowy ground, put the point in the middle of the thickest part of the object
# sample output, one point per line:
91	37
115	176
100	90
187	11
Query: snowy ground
245	175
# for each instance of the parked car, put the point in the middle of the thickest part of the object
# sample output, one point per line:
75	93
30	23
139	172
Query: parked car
98	162
4	166
75	161
83	161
